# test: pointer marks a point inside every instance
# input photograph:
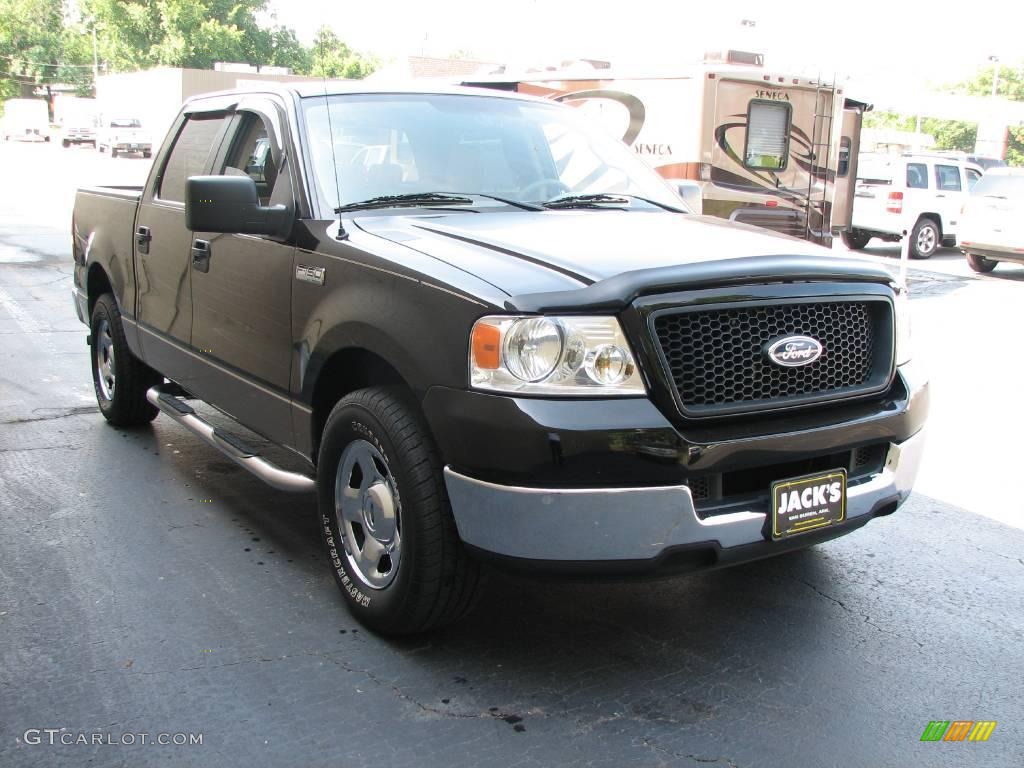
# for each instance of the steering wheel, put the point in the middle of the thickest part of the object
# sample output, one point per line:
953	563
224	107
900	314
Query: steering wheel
542	184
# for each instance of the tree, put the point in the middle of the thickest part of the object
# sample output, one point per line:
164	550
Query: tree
948	134
332	58
37	50
136	34
1010	86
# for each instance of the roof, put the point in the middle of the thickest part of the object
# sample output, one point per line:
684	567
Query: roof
313	88
412	67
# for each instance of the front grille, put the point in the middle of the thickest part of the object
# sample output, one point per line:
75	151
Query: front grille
717	361
719	493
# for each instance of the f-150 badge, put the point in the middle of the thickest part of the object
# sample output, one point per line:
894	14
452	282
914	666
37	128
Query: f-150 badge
314	275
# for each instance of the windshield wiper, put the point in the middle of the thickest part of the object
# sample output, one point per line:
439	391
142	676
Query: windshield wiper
601	200
412	199
506	201
585	201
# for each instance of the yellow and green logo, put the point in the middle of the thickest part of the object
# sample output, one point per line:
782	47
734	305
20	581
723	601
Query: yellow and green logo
958	730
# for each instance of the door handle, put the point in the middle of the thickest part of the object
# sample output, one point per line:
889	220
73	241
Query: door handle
142	238
201	256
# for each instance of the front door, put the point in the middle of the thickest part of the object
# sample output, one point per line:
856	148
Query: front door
241	292
162	245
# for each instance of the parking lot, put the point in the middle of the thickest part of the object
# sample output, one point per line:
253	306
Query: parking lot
147	585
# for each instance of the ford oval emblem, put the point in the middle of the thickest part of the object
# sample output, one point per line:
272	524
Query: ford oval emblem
794	351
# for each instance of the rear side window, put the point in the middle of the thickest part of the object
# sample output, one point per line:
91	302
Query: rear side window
1008	186
767	135
917	176
947	177
972	177
189	155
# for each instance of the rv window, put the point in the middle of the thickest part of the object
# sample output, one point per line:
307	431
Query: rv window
947	177
767	135
917	176
844	157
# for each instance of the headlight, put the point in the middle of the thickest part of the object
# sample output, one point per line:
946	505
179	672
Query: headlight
552	356
903	340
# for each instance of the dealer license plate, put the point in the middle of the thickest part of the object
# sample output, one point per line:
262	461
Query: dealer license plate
808	503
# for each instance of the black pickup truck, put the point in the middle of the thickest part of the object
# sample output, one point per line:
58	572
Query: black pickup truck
492	334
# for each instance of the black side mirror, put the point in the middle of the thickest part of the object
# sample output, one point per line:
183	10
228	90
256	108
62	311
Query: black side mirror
231	204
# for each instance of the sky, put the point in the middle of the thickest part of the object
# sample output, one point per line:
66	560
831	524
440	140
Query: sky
895	43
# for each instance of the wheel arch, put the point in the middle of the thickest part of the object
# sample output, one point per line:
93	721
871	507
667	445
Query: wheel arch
97	283
936	217
344	371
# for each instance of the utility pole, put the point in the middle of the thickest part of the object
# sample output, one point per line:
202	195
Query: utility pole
995	76
95	57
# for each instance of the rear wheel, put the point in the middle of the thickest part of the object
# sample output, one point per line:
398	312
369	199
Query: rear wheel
385	517
147	154
856	239
119	378
980	263
113	152
924	239
65	143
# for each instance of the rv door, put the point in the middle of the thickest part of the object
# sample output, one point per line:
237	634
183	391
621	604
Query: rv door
846	168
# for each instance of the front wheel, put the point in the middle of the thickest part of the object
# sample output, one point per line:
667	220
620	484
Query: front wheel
924	239
119	378
979	263
385	517
856	239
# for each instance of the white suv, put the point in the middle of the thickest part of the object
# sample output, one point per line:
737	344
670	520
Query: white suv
917	193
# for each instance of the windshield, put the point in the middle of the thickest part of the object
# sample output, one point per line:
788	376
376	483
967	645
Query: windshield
399	144
125	123
1010	186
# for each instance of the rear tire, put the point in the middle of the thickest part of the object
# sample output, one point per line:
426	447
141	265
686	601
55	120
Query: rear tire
113	152
980	264
119	378
924	238
386	521
65	143
856	239
148	154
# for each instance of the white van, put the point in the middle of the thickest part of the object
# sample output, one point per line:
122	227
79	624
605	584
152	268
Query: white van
915	193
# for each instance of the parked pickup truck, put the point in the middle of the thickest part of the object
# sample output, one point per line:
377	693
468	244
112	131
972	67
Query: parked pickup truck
492	334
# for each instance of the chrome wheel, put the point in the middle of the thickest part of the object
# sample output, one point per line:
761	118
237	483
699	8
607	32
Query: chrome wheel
368	512
927	238
106	367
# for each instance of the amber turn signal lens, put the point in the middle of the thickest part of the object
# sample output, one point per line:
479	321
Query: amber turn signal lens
486	346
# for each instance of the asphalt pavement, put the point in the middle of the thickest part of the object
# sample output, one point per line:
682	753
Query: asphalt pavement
148	586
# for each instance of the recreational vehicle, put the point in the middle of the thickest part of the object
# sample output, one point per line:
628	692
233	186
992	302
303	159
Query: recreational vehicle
762	148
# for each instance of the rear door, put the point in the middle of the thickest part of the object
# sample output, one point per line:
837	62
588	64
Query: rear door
241	287
163	246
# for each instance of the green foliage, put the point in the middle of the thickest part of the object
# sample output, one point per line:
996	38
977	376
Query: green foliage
1015	148
36	47
1010	85
332	58
949	134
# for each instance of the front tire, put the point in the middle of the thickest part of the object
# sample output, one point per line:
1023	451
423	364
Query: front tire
119	378
924	238
856	239
980	264
386	521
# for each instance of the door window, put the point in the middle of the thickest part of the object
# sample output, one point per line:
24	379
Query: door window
767	135
947	178
844	157
189	155
251	156
917	176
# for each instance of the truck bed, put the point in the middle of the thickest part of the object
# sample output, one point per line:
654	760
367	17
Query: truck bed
104	226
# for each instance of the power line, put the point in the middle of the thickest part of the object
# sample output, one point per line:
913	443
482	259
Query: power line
13	60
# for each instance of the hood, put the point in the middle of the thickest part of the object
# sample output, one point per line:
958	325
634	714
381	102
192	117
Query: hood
521	252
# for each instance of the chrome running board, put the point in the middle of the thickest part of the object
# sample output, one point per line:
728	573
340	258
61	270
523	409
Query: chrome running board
231	446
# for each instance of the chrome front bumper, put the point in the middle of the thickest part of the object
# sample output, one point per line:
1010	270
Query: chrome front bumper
609	524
